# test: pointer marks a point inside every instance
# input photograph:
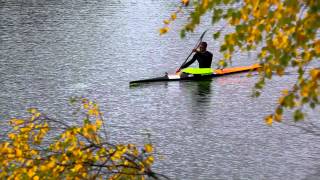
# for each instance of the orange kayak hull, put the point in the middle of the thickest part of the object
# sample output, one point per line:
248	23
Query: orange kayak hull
236	69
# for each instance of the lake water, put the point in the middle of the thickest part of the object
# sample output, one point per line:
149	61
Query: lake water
53	50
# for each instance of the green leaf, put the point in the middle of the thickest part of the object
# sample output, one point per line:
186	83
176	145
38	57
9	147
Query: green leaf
289	101
240	37
284	60
183	33
240	28
237	15
312	105
230	12
298	115
73	100
216	35
305	100
259	85
261	27
300	71
219	11
279	110
294	63
222	63
256	94
216	15
223	48
285	21
86	120
231	48
215	19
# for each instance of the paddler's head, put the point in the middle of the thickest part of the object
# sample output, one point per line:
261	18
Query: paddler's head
203	47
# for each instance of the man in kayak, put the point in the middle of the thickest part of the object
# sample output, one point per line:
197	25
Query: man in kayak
203	57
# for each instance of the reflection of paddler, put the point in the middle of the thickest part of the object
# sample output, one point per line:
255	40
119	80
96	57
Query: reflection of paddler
204	88
203	57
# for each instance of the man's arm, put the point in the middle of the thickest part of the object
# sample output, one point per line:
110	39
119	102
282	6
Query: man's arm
194	58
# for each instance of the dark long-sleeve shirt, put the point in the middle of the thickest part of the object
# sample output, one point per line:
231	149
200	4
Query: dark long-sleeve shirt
204	60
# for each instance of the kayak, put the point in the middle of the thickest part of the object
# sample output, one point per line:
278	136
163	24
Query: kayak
196	77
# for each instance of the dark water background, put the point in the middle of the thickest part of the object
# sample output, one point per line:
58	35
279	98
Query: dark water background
52	50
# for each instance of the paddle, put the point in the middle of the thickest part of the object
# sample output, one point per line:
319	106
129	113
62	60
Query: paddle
195	47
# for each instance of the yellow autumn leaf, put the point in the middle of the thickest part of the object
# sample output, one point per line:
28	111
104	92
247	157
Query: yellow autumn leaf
16	122
44	130
268	70
268	28
166	21
304	91
173	16
37	114
85	105
315	73
230	40
205	4
117	155
263	53
98	123
163	30
244	17
18	153
32	110
149	160
84	175
285	92
280	41
43	168
244	14
93	112
251	39
135	152
185	2
306	56
33	152
76	168
317	46
131	146
31	172
227	56
222	63
148	148
291	30
256	12
269	120
11	136
51	164
5	145
234	21
278	117
11	156
29	163
280	71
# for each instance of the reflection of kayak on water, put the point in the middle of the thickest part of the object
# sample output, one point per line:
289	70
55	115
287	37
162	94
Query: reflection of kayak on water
197	74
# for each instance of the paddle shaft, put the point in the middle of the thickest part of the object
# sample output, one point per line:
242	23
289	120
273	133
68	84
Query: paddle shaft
196	46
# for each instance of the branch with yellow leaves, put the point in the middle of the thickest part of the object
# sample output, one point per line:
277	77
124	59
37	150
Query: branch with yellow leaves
32	151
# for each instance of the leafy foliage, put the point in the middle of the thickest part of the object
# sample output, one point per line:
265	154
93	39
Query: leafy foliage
78	152
287	32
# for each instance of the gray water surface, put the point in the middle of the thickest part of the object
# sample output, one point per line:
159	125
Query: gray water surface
52	50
